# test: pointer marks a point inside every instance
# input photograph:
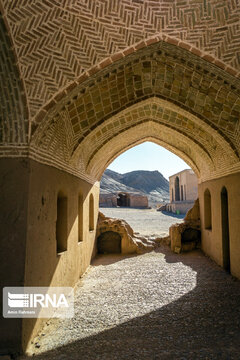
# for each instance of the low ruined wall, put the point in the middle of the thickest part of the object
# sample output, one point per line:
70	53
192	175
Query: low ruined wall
121	227
130	242
186	236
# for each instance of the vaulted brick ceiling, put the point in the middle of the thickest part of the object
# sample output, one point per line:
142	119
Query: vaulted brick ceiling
195	104
55	41
91	72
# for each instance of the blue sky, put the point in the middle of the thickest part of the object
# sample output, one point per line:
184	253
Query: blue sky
148	156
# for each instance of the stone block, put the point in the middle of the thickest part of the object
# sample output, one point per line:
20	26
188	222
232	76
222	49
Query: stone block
175	236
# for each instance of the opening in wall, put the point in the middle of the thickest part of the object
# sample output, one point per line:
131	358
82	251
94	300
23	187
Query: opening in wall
61	223
177	190
225	229
207	210
80	218
182	193
123	199
91	213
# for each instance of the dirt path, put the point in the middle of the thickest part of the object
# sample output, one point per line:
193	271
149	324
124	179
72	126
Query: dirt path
158	305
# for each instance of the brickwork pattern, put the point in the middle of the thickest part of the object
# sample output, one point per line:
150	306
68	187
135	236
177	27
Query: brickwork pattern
13	108
162	122
148	131
205	100
55	41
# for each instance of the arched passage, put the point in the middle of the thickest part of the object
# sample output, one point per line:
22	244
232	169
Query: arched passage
159	91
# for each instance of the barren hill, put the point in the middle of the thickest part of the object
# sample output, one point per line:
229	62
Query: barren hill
150	183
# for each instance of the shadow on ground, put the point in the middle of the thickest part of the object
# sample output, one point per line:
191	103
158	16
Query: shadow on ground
202	324
177	216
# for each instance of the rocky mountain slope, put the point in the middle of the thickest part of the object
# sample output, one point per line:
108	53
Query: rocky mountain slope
150	183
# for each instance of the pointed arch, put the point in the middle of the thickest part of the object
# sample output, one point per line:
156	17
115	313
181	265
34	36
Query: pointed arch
161	82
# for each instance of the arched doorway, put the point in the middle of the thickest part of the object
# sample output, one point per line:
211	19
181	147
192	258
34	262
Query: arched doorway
123	200
225	230
109	242
177	190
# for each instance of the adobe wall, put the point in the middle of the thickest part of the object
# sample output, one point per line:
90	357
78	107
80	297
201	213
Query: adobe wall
191	186
212	239
188	180
13	229
182	206
138	201
40	184
108	200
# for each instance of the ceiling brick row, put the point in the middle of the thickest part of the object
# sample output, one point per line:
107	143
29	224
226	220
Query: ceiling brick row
55	41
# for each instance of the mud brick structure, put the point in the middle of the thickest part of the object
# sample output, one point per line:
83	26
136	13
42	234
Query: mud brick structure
183	190
123	199
81	82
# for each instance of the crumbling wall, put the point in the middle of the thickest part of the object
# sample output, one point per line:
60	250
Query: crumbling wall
187	235
130	243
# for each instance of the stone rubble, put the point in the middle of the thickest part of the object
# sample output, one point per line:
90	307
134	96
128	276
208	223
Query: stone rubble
187	235
131	242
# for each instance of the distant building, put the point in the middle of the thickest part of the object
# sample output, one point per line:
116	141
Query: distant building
183	188
123	199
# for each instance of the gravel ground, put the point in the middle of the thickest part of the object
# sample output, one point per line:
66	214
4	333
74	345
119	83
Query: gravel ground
158	305
147	222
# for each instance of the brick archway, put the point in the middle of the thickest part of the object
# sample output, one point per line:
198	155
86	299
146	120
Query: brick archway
160	92
183	91
161	122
